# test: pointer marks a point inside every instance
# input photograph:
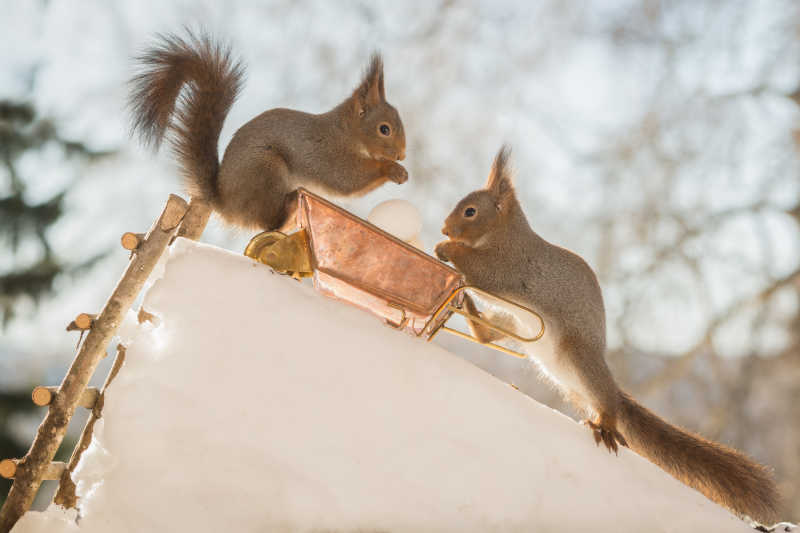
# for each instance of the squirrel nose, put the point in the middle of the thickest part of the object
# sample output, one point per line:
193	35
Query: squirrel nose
445	231
401	154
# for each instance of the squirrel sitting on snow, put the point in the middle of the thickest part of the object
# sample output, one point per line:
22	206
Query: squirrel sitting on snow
491	243
348	151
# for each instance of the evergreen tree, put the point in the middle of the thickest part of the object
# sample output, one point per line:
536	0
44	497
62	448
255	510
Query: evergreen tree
22	132
12	404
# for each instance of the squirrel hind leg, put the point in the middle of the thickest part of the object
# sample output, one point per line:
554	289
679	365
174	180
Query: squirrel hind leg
604	429
288	216
252	187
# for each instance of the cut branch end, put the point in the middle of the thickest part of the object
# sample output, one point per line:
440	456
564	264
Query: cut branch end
8	468
82	322
131	241
42	396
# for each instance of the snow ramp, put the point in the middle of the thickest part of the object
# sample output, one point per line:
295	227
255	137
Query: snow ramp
255	404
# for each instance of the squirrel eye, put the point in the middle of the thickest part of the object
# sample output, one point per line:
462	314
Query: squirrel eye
469	212
385	129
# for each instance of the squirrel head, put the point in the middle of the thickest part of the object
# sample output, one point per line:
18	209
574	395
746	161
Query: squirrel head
377	124
483	212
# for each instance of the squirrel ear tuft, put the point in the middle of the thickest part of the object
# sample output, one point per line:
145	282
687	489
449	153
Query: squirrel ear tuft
500	182
370	92
376	67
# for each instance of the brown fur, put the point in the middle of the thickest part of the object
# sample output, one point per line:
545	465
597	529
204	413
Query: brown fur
497	250
723	474
186	89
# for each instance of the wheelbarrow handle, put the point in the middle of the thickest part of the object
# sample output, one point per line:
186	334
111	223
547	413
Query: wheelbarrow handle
448	307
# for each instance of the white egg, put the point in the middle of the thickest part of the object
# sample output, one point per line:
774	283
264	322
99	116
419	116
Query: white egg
398	217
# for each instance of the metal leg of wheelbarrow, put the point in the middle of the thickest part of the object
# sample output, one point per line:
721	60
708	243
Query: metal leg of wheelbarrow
449	308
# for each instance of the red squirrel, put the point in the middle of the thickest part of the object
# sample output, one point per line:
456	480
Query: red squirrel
492	244
184	91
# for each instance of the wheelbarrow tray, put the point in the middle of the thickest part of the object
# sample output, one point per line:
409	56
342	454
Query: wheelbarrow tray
355	261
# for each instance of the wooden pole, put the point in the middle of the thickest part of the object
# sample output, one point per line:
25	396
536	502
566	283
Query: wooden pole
43	396
8	467
52	472
195	220
131	241
65	496
82	322
32	468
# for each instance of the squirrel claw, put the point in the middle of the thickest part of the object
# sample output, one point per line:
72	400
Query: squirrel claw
610	437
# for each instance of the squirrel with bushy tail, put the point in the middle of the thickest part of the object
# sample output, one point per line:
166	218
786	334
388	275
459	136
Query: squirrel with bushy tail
492	244
184	92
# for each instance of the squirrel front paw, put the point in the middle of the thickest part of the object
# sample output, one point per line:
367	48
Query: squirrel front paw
442	249
397	173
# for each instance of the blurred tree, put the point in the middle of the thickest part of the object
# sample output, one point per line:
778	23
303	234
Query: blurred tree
707	182
22	132
11	404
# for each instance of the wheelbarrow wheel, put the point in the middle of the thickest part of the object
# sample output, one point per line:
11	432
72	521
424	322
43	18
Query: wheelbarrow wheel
262	241
285	254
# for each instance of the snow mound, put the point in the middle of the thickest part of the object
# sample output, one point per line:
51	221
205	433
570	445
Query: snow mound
258	405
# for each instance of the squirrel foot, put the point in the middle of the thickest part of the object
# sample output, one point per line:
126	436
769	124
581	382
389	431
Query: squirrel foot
607	435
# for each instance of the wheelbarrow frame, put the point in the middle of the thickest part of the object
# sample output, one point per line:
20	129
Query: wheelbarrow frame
347	257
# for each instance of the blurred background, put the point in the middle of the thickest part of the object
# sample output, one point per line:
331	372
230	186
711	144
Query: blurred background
658	139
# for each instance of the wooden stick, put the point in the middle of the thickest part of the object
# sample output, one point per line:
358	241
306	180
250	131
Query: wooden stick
82	322
32	468
8	467
43	396
89	398
195	220
65	496
52	472
144	316
131	241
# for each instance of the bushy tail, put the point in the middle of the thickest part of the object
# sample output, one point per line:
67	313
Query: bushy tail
194	116
722	474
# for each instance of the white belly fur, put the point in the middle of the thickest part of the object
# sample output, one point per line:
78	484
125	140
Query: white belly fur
554	366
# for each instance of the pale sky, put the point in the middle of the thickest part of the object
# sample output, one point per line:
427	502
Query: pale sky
541	75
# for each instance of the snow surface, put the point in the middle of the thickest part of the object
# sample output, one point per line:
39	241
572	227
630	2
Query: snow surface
256	404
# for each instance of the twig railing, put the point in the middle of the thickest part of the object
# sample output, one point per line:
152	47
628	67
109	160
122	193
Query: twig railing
177	219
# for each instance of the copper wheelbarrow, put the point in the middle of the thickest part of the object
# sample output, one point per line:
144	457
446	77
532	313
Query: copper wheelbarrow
354	261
